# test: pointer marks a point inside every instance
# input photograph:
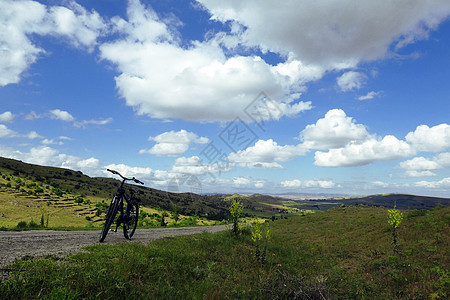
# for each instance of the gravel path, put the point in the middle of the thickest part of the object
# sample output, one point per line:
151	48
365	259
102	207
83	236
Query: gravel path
16	244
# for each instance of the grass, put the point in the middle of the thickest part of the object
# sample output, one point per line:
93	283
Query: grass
343	253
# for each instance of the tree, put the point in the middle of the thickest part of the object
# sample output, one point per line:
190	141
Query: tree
236	209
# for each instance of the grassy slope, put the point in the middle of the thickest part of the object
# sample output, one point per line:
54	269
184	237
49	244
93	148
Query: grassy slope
75	182
338	254
62	212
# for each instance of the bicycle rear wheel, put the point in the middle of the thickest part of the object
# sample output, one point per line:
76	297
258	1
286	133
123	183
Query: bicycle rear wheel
110	215
131	219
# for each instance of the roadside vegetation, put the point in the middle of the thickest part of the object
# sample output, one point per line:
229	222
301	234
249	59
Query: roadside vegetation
342	253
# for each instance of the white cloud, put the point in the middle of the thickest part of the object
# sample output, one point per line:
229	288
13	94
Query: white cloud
61	115
21	19
325	184
335	130
434	139
259	184
351	80
240	181
190	165
323	33
5	132
368	96
33	135
414	173
419	163
173	143
444	183
127	171
388	148
51	142
265	154
421	166
32	116
163	79
379	184
6	117
291	183
99	122
443	159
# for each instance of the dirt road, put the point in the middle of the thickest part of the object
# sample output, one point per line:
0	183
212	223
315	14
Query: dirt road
16	244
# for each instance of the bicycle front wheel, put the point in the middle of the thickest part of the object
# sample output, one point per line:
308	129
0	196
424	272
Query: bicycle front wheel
110	215
130	220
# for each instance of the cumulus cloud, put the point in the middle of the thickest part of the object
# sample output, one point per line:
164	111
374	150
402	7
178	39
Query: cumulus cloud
431	139
421	166
265	154
351	80
358	154
326	184
6	117
335	130
322	33
21	19
419	163
173	143
163	79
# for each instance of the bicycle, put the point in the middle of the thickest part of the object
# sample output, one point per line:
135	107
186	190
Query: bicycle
128	217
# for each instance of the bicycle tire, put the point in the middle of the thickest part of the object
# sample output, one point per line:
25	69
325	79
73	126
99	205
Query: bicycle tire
110	214
131	219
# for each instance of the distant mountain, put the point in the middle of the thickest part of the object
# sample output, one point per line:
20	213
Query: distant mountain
403	201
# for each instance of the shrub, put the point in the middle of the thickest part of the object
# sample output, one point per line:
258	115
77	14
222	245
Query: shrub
395	217
33	224
21	224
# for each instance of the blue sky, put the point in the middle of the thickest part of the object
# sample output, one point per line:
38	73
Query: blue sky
232	96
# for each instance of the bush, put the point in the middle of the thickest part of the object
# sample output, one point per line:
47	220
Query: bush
33	224
21	224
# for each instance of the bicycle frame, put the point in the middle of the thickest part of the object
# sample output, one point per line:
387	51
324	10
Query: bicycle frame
127	218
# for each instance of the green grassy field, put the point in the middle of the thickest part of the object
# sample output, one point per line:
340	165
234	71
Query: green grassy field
342	253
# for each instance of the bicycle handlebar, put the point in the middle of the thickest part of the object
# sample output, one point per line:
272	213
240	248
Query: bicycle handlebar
125	178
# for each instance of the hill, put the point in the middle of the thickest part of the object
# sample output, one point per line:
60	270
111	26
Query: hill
77	183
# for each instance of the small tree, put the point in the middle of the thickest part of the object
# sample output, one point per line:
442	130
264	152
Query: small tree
260	238
395	217
236	209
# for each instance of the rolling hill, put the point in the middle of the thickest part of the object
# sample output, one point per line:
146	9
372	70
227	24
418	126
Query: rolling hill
213	207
